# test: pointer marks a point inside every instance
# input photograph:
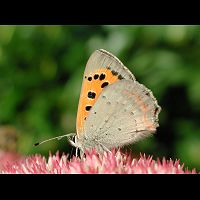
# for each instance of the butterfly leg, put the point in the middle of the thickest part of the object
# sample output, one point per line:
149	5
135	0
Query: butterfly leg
75	144
76	151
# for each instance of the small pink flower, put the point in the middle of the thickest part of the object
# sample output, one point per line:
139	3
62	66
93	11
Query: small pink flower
108	163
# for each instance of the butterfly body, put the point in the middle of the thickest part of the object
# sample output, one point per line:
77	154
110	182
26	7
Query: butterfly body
114	109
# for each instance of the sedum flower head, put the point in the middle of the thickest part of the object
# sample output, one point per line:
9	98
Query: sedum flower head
7	157
114	162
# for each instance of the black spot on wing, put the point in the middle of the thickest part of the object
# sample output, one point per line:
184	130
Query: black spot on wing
120	77
104	84
114	73
89	78
88	108
91	95
96	76
102	77
147	93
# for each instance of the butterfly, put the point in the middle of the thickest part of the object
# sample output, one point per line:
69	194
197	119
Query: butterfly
114	109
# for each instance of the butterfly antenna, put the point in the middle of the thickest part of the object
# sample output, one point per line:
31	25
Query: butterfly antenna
58	138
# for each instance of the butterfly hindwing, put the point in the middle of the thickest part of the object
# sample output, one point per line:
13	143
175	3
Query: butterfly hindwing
125	112
102	69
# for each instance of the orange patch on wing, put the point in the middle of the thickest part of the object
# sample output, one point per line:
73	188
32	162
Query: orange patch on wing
95	87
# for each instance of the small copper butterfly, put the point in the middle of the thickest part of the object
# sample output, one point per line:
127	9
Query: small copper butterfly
114	109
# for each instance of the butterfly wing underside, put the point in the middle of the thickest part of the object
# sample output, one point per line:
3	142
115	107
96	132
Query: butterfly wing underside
102	69
125	112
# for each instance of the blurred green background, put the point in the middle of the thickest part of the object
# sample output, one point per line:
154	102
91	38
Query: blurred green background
41	70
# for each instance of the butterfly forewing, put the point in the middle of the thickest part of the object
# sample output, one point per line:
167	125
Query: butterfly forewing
102	69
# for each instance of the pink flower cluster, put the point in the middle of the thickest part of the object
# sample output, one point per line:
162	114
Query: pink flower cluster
108	163
8	157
